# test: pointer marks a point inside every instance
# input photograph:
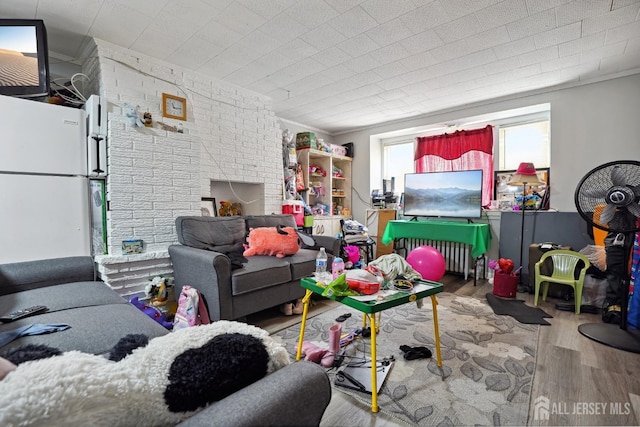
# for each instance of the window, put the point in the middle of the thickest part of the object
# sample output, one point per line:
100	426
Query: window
525	142
523	136
397	161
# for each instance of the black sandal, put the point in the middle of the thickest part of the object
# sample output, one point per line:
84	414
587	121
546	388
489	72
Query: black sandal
343	317
412	353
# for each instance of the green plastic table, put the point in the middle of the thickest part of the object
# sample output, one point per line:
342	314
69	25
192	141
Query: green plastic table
369	309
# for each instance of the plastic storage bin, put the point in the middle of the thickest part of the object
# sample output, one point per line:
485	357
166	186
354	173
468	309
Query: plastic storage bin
505	285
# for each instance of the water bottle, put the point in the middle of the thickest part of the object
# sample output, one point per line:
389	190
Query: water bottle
321	261
337	267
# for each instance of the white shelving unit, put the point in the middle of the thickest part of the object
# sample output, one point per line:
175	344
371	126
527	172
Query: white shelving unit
328	183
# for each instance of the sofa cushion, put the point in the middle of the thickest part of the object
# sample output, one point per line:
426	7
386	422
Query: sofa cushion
93	329
22	276
61	297
260	272
255	221
303	263
220	234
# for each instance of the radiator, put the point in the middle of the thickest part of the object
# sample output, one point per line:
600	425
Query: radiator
457	256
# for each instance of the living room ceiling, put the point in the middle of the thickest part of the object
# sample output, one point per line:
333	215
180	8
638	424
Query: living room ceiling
338	65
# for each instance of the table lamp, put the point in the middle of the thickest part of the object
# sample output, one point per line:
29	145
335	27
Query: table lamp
525	175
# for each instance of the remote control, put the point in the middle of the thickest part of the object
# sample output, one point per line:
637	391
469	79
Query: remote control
23	313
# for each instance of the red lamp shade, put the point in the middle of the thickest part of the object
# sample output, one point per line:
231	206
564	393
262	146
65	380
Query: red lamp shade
525	175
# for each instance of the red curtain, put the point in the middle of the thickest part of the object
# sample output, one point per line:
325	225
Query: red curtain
460	150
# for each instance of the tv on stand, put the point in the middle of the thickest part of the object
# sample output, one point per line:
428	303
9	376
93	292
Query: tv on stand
451	194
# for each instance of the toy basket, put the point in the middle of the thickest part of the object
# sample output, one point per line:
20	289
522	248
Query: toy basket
505	285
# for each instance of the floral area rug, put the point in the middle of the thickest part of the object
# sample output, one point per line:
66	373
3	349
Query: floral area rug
488	361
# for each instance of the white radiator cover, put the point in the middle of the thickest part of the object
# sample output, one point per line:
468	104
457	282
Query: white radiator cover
457	256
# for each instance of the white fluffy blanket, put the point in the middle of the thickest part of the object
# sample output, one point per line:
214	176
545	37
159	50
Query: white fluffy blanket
79	389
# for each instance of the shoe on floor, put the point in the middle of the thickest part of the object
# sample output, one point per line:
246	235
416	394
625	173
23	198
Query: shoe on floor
298	307
412	353
287	309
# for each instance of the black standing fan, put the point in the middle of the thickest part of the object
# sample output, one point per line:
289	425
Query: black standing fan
608	198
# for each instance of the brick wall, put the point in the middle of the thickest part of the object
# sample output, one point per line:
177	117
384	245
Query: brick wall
154	175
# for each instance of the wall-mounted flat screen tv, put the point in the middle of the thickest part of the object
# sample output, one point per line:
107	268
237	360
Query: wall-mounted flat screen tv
456	194
24	58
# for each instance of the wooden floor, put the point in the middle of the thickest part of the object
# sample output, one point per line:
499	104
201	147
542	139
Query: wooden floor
577	381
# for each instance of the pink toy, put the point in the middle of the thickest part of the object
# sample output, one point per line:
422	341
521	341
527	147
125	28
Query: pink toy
353	253
428	261
312	352
279	241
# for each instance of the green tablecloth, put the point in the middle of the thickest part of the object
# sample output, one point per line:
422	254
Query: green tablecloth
478	236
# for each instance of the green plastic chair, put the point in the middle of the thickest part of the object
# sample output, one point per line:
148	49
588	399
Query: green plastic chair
563	271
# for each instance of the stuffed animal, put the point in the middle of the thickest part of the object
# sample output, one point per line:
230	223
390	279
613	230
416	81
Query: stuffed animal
160	384
230	209
131	113
147	119
353	253
279	241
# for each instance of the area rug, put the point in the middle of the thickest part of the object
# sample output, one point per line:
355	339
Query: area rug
488	362
517	309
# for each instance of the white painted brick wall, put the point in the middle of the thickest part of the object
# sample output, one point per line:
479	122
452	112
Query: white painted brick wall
155	175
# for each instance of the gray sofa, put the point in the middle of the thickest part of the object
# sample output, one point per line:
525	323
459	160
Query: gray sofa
204	259
296	395
98	316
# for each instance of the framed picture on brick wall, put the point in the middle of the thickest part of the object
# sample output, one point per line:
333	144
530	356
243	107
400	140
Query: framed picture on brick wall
208	206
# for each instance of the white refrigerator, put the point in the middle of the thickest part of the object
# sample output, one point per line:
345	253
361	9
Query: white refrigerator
45	209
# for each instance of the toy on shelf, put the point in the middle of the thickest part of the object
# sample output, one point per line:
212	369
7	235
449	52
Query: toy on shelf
319	209
323	146
131	113
316	189
315	170
230	209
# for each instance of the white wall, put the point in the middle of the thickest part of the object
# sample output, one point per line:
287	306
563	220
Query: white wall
590	125
233	134
154	176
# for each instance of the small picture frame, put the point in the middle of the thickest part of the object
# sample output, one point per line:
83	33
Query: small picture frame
174	107
208	207
132	246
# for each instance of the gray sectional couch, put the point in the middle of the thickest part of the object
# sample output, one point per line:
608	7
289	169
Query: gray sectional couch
98	316
205	258
295	395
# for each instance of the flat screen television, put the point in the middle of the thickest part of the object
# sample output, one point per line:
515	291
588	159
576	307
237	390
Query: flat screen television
456	194
24	58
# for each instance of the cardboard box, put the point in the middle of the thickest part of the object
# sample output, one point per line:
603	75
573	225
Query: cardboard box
306	140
